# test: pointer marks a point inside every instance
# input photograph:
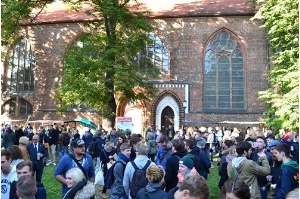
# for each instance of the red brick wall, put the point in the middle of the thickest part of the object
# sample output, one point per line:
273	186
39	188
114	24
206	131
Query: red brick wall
185	39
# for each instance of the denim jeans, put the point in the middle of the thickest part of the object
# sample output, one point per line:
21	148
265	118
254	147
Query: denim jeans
264	194
62	150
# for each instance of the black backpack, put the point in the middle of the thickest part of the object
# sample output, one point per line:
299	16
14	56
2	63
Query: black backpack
93	149
139	179
109	178
65	139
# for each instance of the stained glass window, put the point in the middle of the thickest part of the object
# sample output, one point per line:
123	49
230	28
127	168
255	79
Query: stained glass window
224	73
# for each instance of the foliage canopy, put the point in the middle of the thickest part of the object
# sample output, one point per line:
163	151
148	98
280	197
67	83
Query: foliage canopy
281	21
104	66
12	12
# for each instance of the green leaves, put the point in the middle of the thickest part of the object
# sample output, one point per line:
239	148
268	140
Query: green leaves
12	12
104	67
281	20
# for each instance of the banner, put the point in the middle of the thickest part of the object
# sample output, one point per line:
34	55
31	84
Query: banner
124	124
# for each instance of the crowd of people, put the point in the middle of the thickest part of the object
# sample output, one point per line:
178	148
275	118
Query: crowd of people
170	164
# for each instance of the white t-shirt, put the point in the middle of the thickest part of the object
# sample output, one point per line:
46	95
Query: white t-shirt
6	181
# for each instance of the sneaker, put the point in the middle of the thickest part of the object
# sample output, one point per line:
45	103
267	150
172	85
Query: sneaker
54	164
49	163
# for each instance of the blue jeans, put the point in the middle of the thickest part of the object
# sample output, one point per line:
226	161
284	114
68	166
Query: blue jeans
63	149
263	194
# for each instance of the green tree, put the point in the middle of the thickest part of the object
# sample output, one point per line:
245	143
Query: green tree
281	21
106	65
12	12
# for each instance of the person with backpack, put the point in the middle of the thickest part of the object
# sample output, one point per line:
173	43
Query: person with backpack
107	155
153	190
117	190
95	148
64	139
87	137
135	172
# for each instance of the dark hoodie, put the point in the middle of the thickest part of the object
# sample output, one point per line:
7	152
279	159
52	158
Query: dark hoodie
172	167
288	180
201	162
99	144
8	138
153	190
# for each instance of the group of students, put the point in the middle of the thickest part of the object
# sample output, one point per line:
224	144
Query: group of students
178	169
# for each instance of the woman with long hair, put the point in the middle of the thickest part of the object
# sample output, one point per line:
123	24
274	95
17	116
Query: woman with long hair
121	140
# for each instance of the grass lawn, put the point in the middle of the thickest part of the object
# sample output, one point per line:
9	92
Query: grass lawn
53	187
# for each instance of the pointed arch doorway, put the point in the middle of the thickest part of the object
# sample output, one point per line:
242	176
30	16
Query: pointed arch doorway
167	118
167	113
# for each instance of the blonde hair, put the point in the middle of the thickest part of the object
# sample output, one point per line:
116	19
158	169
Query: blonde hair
142	149
232	150
293	194
155	174
76	174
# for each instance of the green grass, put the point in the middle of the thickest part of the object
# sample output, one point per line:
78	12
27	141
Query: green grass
53	187
213	180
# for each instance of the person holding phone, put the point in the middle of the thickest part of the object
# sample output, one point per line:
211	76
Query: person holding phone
259	148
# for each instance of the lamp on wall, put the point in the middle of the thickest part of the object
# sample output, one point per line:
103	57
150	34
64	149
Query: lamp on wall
184	105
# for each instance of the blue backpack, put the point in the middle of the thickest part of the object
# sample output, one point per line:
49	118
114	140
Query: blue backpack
109	178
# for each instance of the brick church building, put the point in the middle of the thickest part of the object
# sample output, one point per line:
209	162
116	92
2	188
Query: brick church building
213	56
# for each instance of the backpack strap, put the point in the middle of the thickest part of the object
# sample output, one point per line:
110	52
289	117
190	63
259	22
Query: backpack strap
134	165
144	168
147	165
79	165
166	154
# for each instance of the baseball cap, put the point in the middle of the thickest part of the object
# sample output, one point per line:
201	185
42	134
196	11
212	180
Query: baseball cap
77	142
273	143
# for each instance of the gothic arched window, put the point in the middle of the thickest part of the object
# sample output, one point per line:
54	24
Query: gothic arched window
20	68
17	107
157	52
224	73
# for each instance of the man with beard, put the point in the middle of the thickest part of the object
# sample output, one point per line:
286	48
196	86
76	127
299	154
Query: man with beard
77	158
248	170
